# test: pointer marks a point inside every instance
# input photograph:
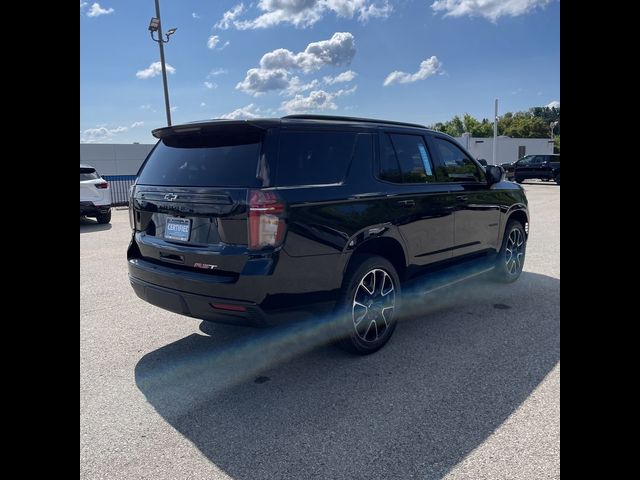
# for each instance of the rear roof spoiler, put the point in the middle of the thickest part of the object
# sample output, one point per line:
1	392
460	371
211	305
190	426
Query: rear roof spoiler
211	124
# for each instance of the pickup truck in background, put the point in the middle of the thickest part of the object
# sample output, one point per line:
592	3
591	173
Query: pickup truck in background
543	166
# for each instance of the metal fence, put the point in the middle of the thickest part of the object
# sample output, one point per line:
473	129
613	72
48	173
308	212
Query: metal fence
120	188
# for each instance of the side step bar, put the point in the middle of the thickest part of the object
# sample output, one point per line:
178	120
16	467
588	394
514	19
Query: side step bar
434	281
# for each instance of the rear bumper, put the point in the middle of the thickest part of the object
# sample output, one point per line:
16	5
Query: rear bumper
90	208
261	300
198	306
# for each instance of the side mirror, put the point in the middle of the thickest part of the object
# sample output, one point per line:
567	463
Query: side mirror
482	162
494	174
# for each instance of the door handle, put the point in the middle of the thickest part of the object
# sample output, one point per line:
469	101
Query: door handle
407	203
462	198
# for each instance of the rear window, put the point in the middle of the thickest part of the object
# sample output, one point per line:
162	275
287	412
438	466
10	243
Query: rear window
88	174
314	157
219	157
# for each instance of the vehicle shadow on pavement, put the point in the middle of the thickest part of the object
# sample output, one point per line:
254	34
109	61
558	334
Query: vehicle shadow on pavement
264	404
88	225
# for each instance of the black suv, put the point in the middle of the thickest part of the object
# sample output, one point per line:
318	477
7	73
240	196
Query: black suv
269	220
544	167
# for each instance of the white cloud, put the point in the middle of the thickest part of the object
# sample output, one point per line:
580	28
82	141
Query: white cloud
244	113
428	67
82	5
216	72
211	85
213	42
154	69
145	107
258	81
337	51
303	13
96	10
195	15
297	86
554	104
374	11
137	124
316	100
347	76
202	104
173	109
99	134
229	17
489	9
275	68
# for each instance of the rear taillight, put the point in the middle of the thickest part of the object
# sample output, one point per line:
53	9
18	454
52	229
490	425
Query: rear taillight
132	222
102	185
266	219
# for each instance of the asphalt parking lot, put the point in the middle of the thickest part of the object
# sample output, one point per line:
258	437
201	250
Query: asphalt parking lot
469	389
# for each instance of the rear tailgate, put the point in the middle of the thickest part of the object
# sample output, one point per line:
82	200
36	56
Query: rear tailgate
190	199
204	228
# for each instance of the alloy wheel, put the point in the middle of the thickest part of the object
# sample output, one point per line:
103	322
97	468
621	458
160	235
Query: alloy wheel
514	251
374	302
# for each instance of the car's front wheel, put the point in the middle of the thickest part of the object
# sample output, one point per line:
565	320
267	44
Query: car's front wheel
557	179
104	217
367	308
510	260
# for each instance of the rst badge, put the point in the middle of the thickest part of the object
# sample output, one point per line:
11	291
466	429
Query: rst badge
206	266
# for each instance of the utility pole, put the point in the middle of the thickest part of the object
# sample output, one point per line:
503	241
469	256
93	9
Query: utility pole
495	134
156	26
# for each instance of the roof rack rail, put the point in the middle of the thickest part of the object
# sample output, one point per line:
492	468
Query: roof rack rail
351	119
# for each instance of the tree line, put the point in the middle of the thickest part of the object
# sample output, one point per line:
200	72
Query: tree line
534	123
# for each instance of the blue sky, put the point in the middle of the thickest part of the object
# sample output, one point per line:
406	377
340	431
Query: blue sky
410	60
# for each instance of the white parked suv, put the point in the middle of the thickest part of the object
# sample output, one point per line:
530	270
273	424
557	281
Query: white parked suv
95	195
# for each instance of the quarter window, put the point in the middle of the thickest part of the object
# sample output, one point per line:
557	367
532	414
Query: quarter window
314	157
457	165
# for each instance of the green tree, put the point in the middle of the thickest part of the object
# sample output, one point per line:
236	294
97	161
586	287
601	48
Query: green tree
556	144
534	123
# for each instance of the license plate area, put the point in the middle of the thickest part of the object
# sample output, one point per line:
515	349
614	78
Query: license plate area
178	229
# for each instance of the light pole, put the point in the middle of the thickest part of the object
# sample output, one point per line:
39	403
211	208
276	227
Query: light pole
156	26
552	127
495	133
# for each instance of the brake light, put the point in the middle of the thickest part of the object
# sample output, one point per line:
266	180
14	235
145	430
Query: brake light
102	185
266	219
132	222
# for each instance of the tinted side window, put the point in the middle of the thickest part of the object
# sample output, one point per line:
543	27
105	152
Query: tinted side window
413	158
404	159
389	166
314	158
457	165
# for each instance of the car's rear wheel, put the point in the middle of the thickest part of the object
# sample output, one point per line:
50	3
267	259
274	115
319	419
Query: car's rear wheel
519	180
510	260
367	308
557	179
104	217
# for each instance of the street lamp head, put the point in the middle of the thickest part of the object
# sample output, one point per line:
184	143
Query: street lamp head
154	24
171	31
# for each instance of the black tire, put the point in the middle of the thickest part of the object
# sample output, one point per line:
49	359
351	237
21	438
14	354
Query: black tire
557	179
104	217
361	338
509	268
519	180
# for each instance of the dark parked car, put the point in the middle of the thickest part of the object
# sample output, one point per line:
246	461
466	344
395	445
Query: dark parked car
544	167
263	221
